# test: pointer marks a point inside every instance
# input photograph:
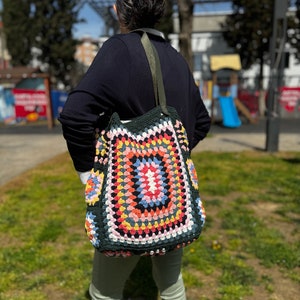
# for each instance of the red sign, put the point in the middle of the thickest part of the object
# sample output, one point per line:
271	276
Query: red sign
30	104
290	98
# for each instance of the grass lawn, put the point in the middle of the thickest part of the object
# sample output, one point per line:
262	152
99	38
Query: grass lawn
249	249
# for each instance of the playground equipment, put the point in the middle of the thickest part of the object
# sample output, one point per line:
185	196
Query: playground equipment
229	112
227	96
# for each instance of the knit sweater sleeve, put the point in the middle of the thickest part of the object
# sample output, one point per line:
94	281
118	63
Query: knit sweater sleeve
89	104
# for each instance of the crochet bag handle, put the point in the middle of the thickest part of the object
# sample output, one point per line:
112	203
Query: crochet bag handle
154	62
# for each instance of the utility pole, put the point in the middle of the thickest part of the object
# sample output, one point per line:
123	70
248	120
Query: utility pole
277	57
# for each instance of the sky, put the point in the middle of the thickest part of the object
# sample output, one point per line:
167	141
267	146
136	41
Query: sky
93	25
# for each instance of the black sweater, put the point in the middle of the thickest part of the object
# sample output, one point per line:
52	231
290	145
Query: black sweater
119	79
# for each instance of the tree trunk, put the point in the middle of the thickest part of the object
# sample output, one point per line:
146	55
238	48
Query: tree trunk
185	12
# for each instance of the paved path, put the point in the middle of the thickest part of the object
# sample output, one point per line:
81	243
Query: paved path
21	152
24	147
227	142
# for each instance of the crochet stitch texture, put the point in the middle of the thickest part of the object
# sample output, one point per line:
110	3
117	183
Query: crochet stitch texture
142	195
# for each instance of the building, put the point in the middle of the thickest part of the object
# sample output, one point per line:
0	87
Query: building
207	40
86	51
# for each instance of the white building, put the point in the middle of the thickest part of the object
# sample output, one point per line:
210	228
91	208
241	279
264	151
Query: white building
207	40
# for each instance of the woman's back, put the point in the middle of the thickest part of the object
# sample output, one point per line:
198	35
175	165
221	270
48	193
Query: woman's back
120	78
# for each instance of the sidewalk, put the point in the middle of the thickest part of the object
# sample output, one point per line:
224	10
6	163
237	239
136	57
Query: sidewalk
228	142
21	152
24	147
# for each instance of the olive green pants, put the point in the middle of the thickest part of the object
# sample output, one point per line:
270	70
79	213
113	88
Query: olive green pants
110	274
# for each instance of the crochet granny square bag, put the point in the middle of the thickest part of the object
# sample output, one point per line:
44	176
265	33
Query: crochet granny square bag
142	193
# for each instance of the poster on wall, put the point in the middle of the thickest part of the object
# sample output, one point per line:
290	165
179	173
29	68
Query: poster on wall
290	99
30	104
58	99
7	106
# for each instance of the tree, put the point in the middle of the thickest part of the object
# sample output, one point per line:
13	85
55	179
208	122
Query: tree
185	12
54	20
17	28
45	25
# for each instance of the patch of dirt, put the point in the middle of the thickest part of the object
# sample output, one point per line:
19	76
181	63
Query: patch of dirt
277	287
57	293
7	241
267	212
272	283
207	289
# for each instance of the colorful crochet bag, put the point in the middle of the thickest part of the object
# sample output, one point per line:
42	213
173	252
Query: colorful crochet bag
142	194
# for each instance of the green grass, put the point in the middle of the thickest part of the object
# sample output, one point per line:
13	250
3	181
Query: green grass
250	242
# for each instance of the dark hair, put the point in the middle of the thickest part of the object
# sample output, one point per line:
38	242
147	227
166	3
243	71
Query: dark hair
140	13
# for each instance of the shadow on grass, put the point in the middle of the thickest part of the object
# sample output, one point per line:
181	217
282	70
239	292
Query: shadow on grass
293	161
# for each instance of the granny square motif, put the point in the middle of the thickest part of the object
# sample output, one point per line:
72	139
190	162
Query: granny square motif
142	194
